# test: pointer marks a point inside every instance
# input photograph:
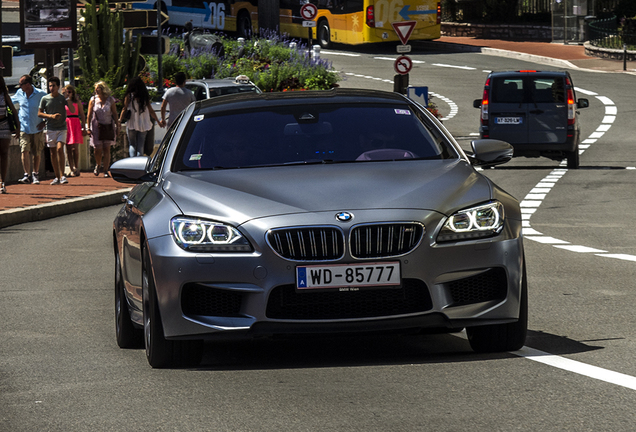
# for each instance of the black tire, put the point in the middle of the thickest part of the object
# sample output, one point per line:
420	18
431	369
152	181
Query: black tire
244	25
160	352
573	158
324	34
128	336
503	337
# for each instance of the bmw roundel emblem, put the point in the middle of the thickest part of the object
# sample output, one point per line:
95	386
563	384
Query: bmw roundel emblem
344	216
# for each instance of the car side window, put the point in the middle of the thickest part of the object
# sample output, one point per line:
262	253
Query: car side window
157	161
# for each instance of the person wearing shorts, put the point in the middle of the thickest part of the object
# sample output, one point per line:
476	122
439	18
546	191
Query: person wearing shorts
53	111
31	136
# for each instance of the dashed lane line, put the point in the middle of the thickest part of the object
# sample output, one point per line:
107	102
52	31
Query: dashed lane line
529	206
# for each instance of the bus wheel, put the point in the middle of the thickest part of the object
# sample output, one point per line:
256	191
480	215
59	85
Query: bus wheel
244	25
324	34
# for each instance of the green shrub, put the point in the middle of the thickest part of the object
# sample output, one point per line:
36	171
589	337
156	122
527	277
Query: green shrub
270	63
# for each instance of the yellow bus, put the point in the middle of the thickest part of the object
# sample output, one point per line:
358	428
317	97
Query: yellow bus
341	21
362	21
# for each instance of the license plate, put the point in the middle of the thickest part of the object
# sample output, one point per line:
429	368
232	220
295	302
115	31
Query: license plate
348	276
509	120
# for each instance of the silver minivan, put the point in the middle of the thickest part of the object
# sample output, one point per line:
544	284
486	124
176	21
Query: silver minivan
534	111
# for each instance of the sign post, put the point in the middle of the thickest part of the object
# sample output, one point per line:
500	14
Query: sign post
403	64
308	12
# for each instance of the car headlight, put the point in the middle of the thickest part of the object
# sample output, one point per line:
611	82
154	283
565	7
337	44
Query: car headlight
206	236
473	223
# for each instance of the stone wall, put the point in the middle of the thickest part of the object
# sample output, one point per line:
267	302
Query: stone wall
608	53
498	31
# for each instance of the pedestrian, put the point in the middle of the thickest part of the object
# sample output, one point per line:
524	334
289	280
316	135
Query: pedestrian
75	126
137	101
177	97
187	47
31	135
5	131
102	111
53	111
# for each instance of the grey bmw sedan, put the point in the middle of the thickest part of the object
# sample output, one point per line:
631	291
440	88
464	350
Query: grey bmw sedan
314	212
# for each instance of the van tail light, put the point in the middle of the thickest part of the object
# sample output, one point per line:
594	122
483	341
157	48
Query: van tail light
571	104
370	17
484	104
439	13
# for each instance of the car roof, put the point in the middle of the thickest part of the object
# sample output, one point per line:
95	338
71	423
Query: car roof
508	74
333	96
217	83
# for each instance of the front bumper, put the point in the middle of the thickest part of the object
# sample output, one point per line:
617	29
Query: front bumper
453	285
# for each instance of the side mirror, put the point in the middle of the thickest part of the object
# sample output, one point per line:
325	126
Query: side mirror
489	152
131	170
582	103
477	103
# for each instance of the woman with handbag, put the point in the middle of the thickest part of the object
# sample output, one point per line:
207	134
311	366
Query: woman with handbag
137	103
102	125
9	124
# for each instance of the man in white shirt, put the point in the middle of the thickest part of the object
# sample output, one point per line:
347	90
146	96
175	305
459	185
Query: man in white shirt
177	97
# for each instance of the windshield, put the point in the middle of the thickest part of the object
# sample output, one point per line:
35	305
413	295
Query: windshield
313	134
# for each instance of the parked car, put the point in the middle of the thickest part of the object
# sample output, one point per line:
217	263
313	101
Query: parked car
534	111
319	211
206	89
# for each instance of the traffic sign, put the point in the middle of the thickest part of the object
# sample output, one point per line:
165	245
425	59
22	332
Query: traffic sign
140	19
404	30
403	49
405	12
403	65
308	11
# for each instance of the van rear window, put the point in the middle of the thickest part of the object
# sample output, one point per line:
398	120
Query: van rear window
528	90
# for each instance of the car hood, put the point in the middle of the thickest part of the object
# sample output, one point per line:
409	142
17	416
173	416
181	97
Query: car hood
239	195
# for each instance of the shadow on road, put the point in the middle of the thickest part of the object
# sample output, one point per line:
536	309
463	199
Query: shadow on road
368	350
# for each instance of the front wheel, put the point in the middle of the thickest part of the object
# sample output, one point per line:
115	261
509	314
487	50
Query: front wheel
324	34
503	337
161	352
127	335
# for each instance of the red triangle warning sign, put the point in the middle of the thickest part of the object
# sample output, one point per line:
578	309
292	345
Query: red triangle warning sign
404	30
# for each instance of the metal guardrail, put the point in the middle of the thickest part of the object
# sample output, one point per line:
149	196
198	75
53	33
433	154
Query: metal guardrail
606	33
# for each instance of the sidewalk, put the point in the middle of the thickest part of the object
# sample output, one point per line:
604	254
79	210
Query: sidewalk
26	203
553	54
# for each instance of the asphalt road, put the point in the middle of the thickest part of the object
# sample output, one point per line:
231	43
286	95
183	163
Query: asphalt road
60	368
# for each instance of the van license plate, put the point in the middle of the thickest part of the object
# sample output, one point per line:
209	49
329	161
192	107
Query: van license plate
352	276
509	120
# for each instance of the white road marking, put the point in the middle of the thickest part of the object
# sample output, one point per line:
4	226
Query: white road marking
454	66
337	53
528	208
577	367
535	197
533	200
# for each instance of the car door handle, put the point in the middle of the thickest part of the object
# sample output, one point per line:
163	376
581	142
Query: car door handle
536	112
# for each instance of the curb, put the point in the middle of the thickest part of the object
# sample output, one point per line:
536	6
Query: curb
529	57
60	208
499	52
